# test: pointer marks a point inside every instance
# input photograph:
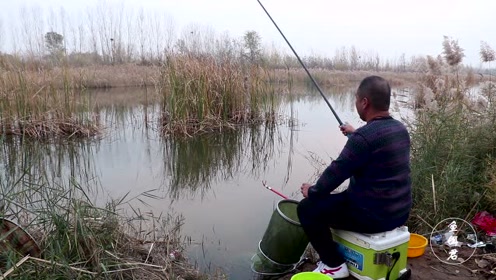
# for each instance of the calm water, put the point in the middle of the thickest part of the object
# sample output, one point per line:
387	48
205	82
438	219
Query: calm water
214	181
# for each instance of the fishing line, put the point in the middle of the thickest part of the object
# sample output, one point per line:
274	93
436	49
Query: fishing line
303	65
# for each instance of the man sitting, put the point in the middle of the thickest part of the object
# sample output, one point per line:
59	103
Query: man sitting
376	159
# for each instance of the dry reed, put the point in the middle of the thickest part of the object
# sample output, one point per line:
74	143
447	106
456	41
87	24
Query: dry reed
453	138
87	77
487	53
452	51
43	111
201	95
333	78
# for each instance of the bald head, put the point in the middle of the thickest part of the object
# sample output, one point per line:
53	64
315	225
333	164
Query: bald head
377	91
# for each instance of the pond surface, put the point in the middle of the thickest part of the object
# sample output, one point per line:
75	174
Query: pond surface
214	180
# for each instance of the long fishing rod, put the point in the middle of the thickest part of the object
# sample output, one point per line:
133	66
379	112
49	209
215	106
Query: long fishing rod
304	67
264	183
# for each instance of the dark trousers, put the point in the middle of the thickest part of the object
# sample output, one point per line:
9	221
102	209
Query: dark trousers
318	215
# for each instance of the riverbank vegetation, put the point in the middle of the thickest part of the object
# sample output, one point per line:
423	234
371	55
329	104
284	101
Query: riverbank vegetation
453	142
199	92
206	81
74	236
42	111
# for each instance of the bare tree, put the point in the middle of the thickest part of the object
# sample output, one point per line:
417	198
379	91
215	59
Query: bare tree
208	39
39	23
15	39
130	35
82	38
191	37
156	37
117	36
73	39
63	25
31	27
26	31
402	62
170	31
52	21
377	62
142	38
93	31
340	59
104	19
1	34
275	57
354	58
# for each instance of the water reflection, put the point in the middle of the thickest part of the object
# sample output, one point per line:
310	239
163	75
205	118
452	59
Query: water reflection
194	164
24	161
37	176
202	176
190	165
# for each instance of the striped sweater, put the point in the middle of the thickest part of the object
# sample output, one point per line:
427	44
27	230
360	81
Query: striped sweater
376	158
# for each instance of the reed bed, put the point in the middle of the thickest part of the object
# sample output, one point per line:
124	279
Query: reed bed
201	94
453	136
339	78
85	77
109	76
43	111
135	75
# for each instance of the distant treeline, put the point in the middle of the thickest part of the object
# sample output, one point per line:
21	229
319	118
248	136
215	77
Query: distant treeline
111	35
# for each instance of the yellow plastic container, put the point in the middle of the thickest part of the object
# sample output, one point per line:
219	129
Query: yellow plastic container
416	245
310	276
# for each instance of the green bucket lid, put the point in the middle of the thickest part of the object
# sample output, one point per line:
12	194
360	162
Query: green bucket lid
310	276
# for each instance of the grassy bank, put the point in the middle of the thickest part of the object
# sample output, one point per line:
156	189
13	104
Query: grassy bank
76	239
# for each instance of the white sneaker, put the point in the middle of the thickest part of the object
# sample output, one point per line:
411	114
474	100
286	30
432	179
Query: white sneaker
335	272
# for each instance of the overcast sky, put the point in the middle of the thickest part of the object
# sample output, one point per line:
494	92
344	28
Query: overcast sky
388	27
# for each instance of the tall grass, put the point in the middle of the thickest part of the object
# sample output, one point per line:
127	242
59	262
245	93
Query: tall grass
81	240
41	110
453	145
201	94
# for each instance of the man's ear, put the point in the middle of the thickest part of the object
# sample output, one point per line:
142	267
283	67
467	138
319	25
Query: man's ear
365	102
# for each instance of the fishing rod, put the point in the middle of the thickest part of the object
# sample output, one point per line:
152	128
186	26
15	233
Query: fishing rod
304	67
264	183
